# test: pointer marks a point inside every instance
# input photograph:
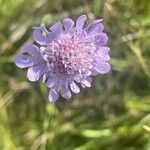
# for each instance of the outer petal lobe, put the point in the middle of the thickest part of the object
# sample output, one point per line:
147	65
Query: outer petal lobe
103	68
53	96
34	73
68	24
74	87
23	62
80	23
31	49
41	35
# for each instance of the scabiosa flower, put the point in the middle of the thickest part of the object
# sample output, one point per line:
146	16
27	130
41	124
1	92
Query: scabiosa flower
66	55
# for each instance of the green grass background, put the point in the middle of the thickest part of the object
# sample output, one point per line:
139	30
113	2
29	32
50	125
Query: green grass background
114	114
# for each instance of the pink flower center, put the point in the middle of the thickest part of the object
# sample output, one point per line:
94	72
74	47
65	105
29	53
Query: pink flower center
71	55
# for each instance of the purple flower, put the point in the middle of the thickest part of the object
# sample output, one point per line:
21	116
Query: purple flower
67	55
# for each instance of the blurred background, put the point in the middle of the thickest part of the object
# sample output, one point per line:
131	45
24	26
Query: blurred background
114	114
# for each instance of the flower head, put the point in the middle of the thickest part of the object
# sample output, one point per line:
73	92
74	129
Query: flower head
66	55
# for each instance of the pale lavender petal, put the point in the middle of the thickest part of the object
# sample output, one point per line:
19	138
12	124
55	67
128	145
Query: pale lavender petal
34	73
45	77
53	96
41	35
68	24
103	53
56	29
80	23
23	62
65	92
86	83
102	68
90	38
89	79
102	39
74	87
88	73
94	72
31	49
94	28
50	82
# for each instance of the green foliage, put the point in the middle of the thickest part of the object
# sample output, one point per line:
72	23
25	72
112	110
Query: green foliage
114	114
